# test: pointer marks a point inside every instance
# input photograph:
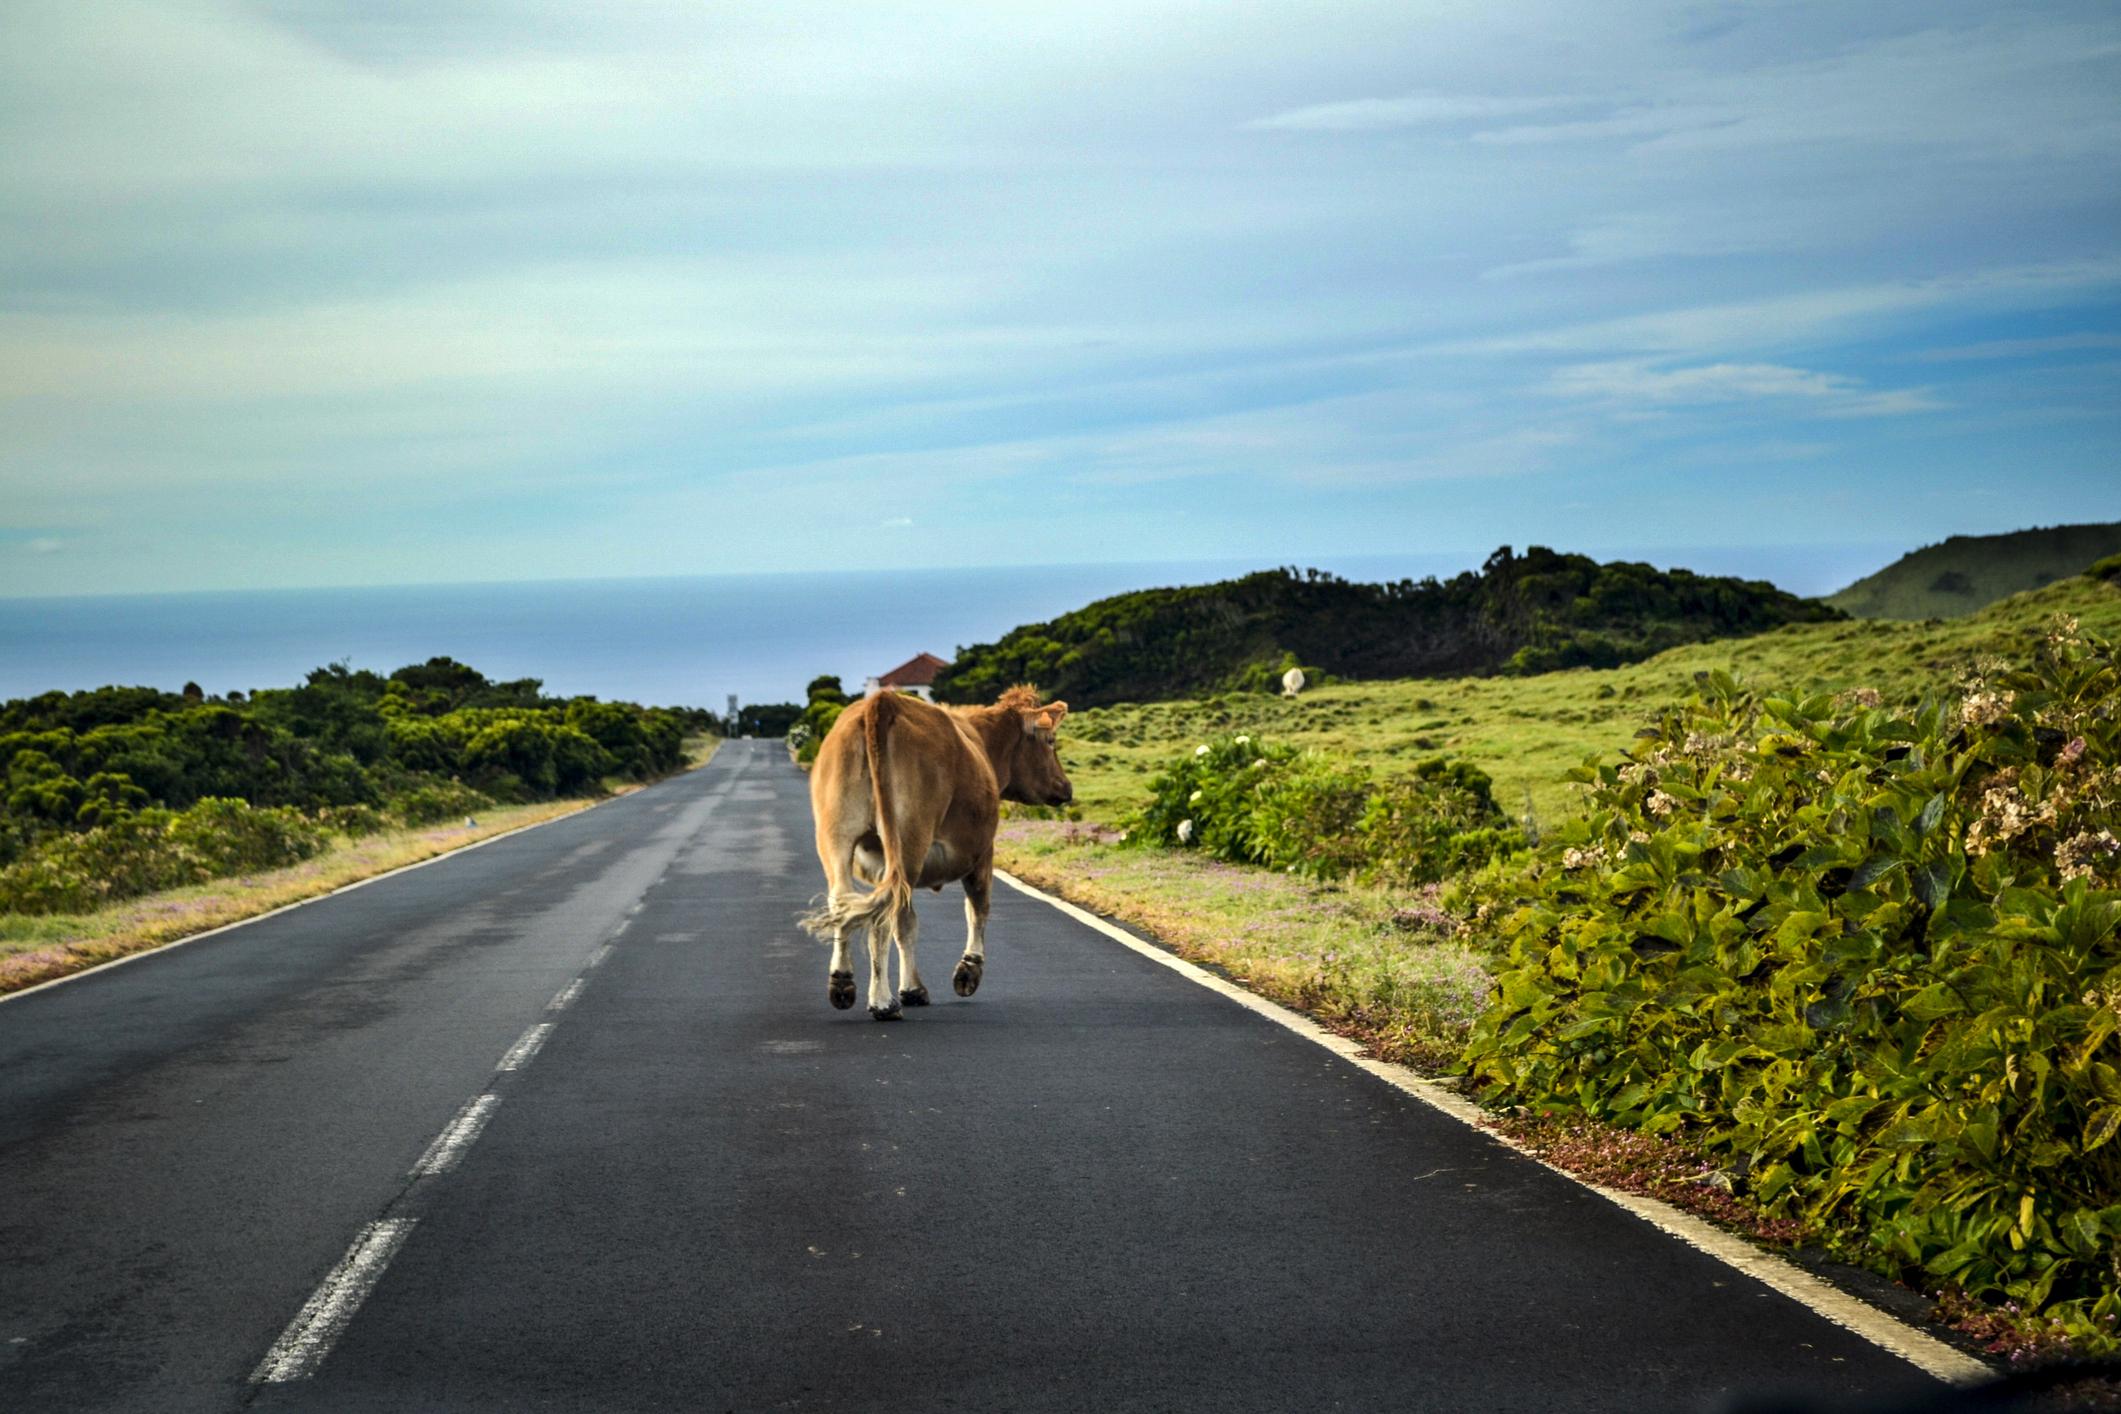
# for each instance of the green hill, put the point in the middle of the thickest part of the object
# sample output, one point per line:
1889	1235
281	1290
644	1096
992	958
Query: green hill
1518	614
1969	572
1526	732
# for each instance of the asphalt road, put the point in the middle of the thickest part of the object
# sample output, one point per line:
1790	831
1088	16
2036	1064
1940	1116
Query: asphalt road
1093	1186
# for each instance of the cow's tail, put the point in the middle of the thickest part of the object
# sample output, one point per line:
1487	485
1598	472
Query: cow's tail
880	907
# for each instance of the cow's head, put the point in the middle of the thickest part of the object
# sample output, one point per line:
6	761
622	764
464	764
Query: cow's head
1035	776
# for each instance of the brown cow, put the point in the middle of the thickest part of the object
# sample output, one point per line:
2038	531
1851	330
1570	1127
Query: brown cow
905	795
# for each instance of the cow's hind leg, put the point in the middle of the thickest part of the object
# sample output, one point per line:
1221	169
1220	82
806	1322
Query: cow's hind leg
835	851
883	1003
839	982
911	990
979	892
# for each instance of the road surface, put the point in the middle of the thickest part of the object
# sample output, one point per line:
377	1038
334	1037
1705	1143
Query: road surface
279	1168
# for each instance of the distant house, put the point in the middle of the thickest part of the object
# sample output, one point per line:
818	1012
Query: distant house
916	675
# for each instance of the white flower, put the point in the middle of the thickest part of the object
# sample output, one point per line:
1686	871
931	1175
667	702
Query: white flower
1242	740
1256	765
1201	750
1185	832
1194	799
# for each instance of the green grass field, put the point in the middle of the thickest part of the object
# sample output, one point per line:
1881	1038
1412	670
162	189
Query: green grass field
1526	732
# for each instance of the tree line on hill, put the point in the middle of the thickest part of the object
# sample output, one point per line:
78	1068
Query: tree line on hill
421	743
1527	613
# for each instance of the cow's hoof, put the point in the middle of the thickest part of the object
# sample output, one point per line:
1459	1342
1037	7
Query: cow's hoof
842	990
917	997
886	1013
965	981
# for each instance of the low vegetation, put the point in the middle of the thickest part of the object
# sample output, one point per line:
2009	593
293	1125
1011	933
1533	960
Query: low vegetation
1836	935
1526	613
1867	957
1303	812
38	947
129	816
119	792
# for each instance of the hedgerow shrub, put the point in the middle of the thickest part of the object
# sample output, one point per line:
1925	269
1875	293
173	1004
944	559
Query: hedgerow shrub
1867	956
151	850
439	800
1256	802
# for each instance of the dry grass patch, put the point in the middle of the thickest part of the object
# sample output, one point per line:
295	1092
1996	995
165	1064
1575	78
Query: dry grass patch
38	948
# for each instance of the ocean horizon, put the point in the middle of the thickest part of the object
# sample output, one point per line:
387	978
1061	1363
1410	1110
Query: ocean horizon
690	641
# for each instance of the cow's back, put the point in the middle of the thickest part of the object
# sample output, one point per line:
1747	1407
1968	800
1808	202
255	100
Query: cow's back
930	764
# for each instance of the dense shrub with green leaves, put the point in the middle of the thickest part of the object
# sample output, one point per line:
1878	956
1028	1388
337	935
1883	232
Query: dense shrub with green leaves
1257	802
145	785
1868	956
153	849
827	700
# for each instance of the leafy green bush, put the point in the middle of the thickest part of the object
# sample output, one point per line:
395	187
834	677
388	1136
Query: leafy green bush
1868	956
150	850
437	800
1255	802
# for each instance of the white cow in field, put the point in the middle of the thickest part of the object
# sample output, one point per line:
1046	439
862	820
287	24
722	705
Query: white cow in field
1292	682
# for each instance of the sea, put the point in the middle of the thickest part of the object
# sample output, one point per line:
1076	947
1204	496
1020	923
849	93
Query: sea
689	641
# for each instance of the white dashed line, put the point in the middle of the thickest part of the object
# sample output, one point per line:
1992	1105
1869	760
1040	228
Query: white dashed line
309	1336
565	997
450	1144
1925	1352
596	957
525	1047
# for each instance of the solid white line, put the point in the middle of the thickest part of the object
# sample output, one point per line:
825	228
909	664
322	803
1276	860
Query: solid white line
450	1144
310	1335
525	1047
1925	1352
565	997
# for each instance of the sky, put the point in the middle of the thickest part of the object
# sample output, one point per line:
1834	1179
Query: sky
347	292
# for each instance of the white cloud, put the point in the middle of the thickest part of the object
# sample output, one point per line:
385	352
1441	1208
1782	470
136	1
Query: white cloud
1409	111
2022	348
1638	384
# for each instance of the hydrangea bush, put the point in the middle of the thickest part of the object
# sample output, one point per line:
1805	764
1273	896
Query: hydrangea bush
1256	802
1868	957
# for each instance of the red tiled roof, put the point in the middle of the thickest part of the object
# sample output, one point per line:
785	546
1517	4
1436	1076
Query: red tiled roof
918	671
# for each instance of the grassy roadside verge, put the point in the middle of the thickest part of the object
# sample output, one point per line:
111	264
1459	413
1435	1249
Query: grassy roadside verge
1382	966
38	948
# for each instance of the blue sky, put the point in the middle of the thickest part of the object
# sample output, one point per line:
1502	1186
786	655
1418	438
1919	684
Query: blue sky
369	291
